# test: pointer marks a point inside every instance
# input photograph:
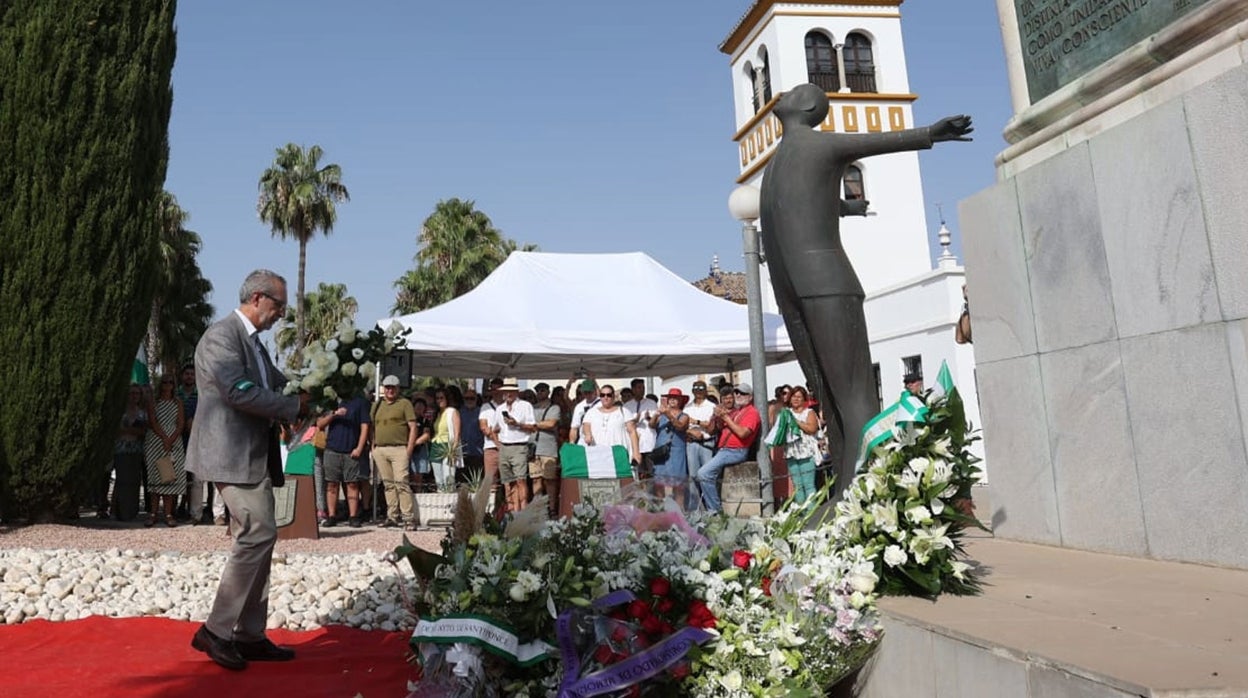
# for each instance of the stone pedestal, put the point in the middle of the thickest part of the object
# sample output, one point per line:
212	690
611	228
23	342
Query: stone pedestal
1110	306
603	492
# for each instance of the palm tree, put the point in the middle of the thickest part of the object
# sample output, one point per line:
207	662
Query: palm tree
324	309
459	247
297	198
180	311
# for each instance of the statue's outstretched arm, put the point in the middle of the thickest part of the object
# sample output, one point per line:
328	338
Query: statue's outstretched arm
861	145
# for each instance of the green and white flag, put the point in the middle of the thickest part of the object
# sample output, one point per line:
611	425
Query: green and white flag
944	380
908	409
595	462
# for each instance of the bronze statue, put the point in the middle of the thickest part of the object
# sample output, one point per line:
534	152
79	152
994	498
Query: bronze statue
816	288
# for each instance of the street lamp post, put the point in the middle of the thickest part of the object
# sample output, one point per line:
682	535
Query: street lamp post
743	205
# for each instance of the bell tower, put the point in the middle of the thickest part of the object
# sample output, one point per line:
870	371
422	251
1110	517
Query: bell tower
852	49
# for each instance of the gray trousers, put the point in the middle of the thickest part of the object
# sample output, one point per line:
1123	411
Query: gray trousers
241	609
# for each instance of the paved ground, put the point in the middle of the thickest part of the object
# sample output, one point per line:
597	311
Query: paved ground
1132	623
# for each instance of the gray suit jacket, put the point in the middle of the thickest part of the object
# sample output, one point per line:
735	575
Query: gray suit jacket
233	423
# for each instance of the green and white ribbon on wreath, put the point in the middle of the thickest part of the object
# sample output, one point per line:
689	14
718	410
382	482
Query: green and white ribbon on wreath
909	409
480	631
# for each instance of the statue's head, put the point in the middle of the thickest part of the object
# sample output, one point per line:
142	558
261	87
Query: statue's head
806	104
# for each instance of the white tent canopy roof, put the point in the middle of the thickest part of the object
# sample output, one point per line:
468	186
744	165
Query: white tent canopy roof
543	314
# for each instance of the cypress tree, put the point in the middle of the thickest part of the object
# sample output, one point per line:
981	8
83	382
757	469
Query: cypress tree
85	96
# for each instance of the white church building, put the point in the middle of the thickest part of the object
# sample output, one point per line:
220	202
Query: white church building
853	49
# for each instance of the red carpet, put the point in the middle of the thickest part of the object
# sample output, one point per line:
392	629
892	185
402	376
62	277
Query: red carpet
141	657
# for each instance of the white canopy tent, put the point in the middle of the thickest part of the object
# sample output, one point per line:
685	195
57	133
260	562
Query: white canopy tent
544	314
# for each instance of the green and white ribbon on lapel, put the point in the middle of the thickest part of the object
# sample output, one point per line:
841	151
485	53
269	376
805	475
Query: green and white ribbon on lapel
494	637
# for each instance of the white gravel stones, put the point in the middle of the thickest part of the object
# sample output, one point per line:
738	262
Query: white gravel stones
306	591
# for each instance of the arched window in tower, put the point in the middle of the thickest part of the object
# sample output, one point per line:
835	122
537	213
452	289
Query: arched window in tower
852	183
754	91
766	78
821	62
859	63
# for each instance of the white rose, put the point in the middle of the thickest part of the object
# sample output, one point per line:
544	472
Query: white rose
368	370
732	680
862	578
894	555
918	514
347	336
517	593
331	345
357	353
348	369
394	328
330	393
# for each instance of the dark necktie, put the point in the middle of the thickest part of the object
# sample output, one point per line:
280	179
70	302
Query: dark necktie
266	363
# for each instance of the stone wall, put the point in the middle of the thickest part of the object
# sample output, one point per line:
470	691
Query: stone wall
1109	297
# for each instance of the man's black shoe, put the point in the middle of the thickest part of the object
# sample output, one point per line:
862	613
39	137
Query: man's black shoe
329	523
353	523
221	651
264	651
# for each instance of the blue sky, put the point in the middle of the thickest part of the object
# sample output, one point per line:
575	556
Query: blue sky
577	126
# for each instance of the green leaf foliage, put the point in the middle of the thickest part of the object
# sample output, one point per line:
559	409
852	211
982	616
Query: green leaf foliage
458	247
85	98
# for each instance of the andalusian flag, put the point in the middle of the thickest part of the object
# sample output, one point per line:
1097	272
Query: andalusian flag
908	409
595	462
944	380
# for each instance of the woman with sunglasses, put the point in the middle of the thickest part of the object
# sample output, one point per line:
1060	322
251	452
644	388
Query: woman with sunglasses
607	423
164	439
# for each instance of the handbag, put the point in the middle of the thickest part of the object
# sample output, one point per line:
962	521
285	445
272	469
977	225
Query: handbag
164	468
661	453
320	439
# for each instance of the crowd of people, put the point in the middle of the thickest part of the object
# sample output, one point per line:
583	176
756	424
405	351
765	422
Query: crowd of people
437	438
148	478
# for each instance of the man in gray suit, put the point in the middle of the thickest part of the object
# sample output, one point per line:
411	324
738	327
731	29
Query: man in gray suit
234	440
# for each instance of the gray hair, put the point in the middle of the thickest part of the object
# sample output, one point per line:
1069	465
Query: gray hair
259	281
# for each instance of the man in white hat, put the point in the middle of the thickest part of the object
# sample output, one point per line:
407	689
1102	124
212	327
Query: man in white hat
517	422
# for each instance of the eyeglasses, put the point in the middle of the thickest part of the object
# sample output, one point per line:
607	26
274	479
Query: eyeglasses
389	387
606	394
702	388
738	392
281	304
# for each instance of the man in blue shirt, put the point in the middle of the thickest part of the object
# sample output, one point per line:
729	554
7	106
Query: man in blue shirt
346	435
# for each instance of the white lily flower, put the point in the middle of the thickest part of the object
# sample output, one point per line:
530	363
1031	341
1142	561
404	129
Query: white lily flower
357	353
894	555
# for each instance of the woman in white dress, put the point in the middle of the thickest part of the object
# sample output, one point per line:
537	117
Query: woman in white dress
609	424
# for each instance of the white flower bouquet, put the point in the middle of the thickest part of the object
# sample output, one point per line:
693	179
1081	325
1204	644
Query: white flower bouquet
343	365
636	598
911	502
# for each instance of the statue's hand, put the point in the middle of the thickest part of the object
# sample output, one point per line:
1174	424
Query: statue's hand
854	207
951	128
